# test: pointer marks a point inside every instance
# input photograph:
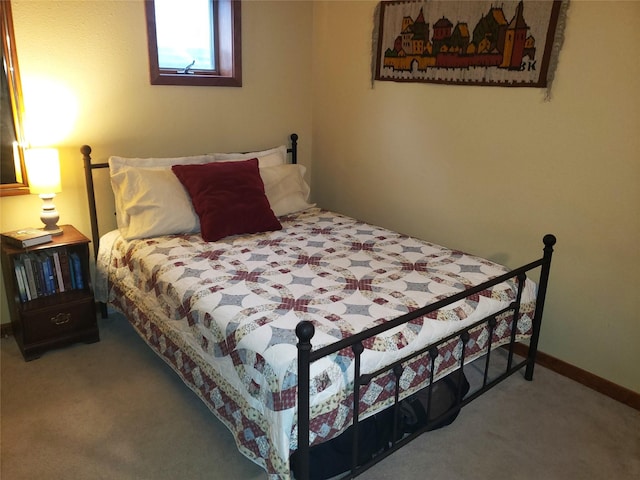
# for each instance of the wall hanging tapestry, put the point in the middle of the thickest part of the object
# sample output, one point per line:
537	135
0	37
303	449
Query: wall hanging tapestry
506	43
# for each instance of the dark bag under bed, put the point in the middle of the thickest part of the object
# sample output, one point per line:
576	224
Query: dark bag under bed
375	433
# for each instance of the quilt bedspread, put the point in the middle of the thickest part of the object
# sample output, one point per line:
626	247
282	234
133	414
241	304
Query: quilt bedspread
233	306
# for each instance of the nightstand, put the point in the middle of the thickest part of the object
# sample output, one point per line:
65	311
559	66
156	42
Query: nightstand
49	293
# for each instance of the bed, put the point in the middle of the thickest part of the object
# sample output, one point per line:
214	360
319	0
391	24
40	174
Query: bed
294	324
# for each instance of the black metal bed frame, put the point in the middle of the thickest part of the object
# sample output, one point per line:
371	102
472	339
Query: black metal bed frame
306	355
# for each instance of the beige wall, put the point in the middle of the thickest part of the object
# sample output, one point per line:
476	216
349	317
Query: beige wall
491	170
487	170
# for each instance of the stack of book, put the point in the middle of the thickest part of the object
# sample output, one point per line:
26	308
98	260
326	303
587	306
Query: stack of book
26	237
40	274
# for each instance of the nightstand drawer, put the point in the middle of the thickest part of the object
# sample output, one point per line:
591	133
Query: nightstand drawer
59	320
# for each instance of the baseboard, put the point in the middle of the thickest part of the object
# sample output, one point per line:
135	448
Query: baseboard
599	384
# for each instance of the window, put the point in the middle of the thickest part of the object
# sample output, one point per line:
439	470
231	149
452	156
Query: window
194	42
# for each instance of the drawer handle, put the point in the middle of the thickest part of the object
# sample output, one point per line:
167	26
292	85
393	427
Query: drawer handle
61	319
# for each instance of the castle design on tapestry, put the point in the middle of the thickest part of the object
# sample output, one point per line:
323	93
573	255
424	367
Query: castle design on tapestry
467	42
495	43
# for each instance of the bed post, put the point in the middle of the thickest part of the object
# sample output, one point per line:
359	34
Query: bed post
549	241
304	332
88	176
91	196
294	148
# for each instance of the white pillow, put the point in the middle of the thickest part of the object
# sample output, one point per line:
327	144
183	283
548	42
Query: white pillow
266	158
116	163
126	181
154	202
285	188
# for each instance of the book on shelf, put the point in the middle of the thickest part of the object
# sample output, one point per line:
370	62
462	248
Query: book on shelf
23	274
21	277
65	268
39	273
31	276
47	274
76	269
58	270
26	237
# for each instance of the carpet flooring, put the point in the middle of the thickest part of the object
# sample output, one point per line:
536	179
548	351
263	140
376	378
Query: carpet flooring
113	410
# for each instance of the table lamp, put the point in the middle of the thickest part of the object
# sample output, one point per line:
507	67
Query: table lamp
43	173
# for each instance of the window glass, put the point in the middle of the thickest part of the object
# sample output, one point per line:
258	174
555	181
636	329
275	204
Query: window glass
185	34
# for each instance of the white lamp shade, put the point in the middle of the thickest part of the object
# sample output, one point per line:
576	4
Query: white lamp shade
43	170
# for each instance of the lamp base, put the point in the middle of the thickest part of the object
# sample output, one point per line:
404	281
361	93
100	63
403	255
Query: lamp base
49	215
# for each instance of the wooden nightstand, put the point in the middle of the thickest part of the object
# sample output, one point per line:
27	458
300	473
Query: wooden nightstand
59	307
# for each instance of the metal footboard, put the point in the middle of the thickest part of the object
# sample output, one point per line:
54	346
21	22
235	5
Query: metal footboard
306	356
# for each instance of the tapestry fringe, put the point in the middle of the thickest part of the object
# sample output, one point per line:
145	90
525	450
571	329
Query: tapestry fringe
374	43
558	40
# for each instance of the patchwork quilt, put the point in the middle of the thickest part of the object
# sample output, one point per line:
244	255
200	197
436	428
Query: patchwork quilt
223	315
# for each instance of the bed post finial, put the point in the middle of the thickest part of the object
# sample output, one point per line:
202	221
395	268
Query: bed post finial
305	331
549	240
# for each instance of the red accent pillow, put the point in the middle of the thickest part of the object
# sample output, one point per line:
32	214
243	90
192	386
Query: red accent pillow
228	197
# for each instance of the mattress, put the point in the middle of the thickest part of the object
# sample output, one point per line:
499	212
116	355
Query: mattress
223	315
